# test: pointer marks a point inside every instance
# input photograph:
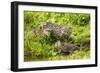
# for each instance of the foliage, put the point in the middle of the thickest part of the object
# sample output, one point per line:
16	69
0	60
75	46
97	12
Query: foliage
41	47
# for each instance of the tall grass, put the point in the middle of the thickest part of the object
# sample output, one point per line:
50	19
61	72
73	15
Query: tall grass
39	47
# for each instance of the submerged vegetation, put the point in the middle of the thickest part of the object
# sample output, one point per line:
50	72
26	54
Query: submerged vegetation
38	47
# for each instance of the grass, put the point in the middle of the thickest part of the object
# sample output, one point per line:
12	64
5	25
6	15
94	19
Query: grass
77	55
38	47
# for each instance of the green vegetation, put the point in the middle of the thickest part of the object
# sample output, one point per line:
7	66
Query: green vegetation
38	47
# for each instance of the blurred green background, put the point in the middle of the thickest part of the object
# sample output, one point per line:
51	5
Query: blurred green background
36	48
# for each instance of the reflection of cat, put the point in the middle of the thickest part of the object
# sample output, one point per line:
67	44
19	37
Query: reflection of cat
62	32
